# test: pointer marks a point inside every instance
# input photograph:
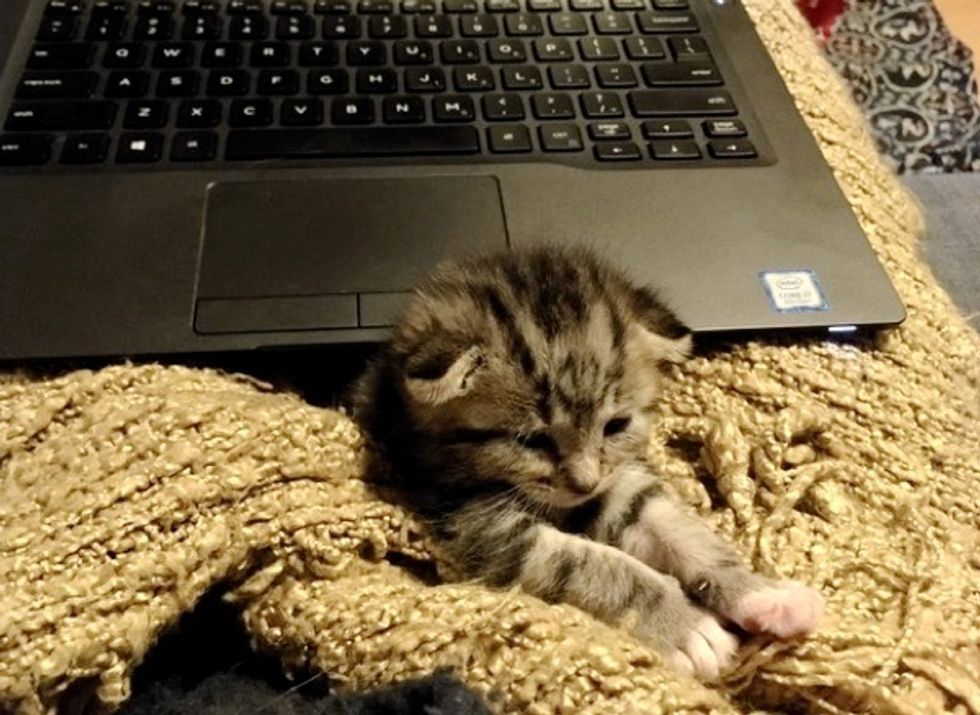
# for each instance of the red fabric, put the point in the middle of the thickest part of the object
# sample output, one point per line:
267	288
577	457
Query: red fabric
821	13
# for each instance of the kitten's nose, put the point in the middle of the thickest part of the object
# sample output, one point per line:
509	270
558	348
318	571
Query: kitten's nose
582	474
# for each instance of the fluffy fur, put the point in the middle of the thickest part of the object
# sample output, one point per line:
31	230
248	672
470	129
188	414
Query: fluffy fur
515	401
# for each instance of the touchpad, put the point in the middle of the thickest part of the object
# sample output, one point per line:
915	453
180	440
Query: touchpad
321	254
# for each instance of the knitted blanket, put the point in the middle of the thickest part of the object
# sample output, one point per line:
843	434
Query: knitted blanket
128	492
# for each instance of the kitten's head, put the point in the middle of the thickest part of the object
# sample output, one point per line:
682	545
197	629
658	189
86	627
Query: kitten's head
535	368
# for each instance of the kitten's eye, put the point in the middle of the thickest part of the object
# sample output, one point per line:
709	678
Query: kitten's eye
540	441
615	426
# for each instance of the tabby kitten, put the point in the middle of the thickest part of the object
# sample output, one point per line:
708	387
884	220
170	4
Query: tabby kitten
514	401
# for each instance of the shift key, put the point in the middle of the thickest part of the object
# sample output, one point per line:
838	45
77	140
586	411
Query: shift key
30	116
681	103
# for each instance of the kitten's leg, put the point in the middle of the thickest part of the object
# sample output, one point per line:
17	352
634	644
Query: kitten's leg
643	521
599	579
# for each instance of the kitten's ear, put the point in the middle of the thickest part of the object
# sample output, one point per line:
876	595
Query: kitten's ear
662	348
442	370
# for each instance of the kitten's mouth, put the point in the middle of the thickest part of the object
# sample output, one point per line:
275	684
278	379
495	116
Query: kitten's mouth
542	490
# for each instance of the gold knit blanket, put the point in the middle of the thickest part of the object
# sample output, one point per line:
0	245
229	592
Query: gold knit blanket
127	493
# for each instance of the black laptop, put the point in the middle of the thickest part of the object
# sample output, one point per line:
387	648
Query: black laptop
184	176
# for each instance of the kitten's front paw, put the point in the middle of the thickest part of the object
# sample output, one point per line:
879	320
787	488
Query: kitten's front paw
785	609
705	650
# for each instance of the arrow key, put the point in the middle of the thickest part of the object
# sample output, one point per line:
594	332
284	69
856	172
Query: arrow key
731	149
617	151
194	146
301	112
674	149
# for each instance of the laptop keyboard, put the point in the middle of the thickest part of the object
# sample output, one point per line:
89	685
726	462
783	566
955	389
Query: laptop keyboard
599	82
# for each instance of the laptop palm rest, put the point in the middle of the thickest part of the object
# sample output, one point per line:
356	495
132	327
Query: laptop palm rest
329	254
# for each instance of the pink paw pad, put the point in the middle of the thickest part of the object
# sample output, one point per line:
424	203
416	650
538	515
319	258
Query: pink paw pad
785	610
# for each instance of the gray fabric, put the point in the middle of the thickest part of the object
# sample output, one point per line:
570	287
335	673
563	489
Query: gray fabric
952	242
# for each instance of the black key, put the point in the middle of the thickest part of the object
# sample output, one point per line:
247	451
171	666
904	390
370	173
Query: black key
681	102
560	137
332	7
502	107
615	75
248	28
226	83
76	55
544	5
149	114
250	113
106	27
178	83
221	54
731	149
24	149
413	52
473	79
173	54
670	4
569	77
289	7
110	7
460	6
616	151
598	105
674	149
318	54
506	50
127	83
609	130
203	27
403	110
667	129
124	55
377	81
523	24
453	108
64	7
319	143
270	54
410	7
85	149
612	23
153	27
522	77
502	5
301	112
456	52
278	82
387	27
295	27
685	49
194	146
678	74
509	139
425	79
366	52
56	85
553	49
29	116
155	7
659	22
337	27
628	5
200	7
723	128
57	28
478	26
644	48
567	23
552	106
139	148
599	48
375	7
327	82
585	5
198	113
245	7
433	26
352	110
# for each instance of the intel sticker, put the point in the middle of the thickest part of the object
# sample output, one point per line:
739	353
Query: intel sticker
793	291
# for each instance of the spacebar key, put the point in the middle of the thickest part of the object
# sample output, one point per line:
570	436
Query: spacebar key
314	143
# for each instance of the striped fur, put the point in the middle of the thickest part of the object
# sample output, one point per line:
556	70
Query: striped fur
514	401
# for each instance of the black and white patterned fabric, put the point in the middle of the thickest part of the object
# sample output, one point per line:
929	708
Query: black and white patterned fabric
915	81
